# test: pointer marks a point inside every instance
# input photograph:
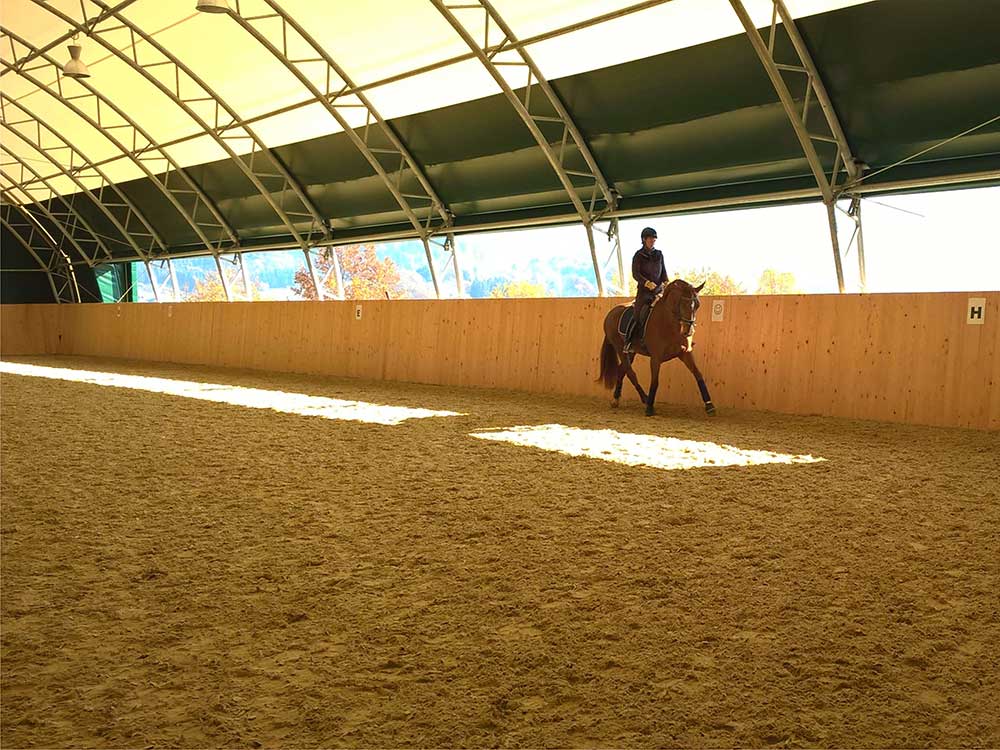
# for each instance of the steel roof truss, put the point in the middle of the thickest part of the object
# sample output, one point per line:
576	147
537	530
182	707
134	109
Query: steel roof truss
388	156
511	53
285	190
69	218
111	200
64	223
187	196
844	159
377	141
39	244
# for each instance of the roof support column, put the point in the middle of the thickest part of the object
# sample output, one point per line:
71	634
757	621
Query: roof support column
152	280
173	281
799	117
862	271
317	286
450	246
246	277
593	256
430	265
615	236
223	279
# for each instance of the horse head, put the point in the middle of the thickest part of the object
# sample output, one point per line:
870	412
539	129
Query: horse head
687	309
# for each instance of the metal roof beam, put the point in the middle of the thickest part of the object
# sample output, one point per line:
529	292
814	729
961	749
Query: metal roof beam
338	104
142	149
58	222
378	142
799	117
86	27
222	131
109	195
59	272
70	219
510	53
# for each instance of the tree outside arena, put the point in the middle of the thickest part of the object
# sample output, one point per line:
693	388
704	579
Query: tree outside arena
519	289
715	282
777	282
365	275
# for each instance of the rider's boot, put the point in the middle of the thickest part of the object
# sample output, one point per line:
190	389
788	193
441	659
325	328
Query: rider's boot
629	346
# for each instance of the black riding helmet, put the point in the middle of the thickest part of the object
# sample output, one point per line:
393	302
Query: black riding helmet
648	232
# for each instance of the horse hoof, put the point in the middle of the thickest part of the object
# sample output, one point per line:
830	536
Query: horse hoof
614	403
650	412
710	408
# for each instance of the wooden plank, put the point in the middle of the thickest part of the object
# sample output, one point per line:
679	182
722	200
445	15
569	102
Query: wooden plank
893	357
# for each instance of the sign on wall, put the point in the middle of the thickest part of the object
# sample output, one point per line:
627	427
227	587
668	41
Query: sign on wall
718	310
976	311
357	312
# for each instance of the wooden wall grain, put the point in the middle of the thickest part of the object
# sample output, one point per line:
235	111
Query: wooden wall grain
892	357
29	329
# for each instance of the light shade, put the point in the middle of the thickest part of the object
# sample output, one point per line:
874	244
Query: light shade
212	6
75	68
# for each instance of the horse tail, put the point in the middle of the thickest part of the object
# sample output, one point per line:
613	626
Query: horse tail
609	365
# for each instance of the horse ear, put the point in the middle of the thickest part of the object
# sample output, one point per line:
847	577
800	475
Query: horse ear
699	287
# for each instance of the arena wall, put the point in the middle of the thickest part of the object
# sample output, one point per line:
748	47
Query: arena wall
891	357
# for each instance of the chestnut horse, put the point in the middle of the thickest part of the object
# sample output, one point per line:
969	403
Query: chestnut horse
669	333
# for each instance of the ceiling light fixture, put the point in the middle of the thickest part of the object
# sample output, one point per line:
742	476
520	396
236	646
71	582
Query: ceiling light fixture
75	68
212	6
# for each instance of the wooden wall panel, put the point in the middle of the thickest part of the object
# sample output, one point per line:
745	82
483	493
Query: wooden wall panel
29	329
892	357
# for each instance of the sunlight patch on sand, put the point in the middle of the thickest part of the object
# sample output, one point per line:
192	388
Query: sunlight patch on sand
253	398
637	450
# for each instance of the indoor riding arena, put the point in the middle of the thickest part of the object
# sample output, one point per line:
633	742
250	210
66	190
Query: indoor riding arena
423	523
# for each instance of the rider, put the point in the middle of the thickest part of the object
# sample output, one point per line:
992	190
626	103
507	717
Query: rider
650	274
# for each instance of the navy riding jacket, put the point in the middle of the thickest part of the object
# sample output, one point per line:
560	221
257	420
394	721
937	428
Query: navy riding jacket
648	267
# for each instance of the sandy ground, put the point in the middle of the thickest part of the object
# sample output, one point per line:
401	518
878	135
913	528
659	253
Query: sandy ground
184	573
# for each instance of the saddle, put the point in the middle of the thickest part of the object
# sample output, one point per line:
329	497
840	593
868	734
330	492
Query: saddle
627	320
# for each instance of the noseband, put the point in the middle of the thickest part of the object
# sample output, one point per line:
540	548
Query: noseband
694	307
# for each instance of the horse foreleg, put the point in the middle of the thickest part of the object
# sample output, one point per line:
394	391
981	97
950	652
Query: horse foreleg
654	383
688	359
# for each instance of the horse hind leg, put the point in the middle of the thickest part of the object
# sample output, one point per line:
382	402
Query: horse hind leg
634	379
623	368
654	384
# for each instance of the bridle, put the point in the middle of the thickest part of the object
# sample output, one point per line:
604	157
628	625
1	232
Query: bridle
690	323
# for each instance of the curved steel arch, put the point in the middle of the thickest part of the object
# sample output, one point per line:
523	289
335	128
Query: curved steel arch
319	231
138	154
487	54
67	236
68	221
336	98
65	269
829	189
87	25
120	223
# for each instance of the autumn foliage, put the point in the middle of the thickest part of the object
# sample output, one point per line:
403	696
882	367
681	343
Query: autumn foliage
365	275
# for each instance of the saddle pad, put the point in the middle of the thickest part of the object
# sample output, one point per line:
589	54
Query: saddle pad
625	322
